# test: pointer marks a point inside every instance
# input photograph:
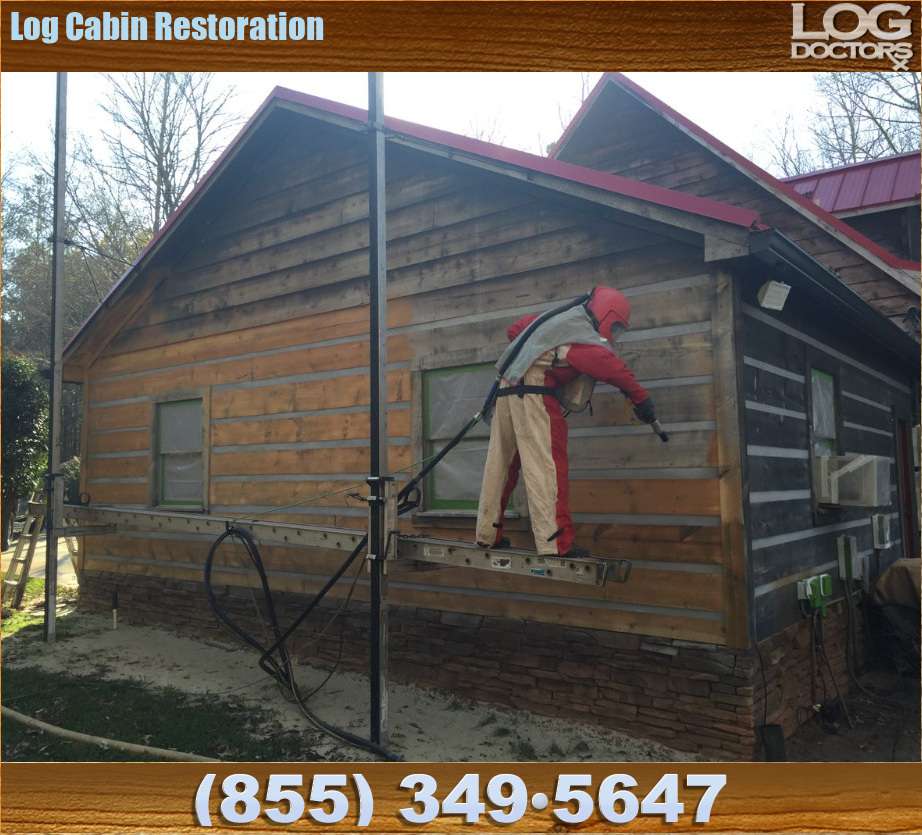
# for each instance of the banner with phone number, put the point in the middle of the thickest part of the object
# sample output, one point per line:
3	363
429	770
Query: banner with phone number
475	797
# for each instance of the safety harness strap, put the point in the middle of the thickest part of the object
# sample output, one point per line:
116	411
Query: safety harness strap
521	390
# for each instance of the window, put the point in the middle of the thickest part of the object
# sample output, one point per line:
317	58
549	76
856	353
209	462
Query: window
451	397
824	423
180	470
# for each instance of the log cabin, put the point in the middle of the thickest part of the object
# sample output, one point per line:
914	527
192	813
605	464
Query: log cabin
226	376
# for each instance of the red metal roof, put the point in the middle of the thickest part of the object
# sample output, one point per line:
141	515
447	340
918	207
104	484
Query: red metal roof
874	184
736	159
647	192
692	204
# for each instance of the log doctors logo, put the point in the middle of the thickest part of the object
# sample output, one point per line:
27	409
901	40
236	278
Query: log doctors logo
850	31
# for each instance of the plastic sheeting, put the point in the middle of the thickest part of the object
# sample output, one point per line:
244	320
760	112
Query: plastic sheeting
179	445
454	398
823	397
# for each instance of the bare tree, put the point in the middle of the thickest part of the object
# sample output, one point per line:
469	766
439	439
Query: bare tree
486	130
867	115
864	115
167	128
787	156
566	112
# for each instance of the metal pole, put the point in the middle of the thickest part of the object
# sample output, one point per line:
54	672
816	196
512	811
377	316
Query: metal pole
54	485
378	364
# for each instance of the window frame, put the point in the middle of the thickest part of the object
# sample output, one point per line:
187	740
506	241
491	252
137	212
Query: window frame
157	479
822	514
427	512
836	441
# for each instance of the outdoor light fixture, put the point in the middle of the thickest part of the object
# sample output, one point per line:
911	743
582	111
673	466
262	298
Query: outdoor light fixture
773	294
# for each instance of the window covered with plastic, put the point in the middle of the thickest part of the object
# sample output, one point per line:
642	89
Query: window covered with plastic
824	421
452	397
179	453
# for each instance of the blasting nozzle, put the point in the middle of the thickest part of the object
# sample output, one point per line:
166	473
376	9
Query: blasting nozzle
658	428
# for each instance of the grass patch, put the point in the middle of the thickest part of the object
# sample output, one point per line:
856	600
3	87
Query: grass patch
523	750
31	613
555	752
133	712
121	709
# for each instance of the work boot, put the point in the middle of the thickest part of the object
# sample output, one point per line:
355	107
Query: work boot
499	544
576	551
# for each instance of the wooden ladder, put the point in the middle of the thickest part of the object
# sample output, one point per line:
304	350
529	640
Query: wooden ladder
17	575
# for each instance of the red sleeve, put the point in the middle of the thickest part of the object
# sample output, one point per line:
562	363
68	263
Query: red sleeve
599	362
518	326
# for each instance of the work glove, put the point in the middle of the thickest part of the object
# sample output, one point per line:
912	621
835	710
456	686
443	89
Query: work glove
645	411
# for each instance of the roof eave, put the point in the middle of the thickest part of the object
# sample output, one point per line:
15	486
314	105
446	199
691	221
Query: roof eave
883	260
516	163
661	205
773	247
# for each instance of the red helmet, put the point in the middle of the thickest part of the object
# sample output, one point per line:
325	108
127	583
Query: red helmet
610	310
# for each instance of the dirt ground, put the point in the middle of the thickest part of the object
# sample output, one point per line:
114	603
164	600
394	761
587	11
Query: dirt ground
424	726
881	724
429	726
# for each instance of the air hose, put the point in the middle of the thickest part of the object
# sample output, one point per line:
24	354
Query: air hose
281	668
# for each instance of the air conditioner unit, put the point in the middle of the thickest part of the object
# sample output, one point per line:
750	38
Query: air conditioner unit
852	480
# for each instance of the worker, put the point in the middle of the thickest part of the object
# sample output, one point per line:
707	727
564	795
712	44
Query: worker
553	372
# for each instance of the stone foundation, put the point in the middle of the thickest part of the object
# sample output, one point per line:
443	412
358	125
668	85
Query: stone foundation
694	697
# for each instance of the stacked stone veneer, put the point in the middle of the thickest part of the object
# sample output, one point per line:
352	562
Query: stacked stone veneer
692	696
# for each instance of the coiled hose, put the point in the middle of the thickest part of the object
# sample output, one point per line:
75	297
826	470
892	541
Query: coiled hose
275	659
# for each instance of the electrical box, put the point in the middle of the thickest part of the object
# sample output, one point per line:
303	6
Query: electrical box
814	591
880	531
851	565
852	480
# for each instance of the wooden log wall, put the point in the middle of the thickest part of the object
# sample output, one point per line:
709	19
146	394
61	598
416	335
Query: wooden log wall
267	317
896	230
625	137
791	537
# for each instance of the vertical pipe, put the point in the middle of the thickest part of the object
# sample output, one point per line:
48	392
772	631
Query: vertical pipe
378	366
54	484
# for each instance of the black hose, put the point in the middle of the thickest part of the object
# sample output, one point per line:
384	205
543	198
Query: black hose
282	670
410	486
268	664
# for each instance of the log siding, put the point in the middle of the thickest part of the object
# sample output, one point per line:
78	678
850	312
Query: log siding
268	313
790	536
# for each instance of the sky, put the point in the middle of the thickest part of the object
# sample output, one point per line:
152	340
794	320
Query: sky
526	111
